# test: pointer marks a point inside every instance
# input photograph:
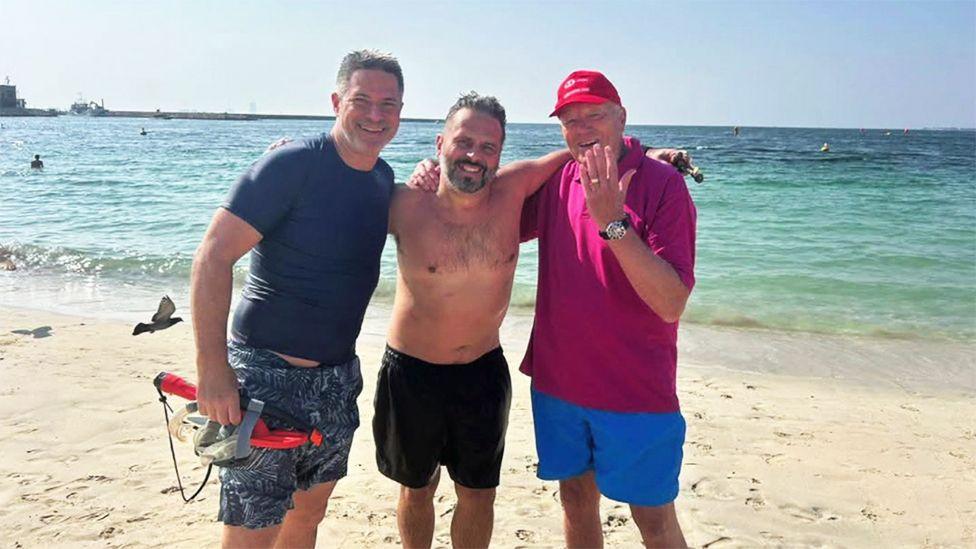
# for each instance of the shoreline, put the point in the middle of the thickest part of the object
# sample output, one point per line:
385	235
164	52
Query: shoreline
770	458
917	365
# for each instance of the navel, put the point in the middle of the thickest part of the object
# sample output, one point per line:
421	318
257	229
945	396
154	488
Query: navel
432	268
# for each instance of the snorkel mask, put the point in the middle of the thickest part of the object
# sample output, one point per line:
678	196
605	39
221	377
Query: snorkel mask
227	445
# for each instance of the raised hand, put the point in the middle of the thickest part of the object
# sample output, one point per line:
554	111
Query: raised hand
426	176
680	159
604	192
279	143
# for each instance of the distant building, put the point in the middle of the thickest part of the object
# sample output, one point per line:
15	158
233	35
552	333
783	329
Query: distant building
11	106
8	97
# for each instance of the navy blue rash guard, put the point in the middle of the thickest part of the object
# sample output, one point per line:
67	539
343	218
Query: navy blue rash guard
323	227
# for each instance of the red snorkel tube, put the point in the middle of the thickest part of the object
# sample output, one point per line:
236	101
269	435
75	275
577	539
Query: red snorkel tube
262	436
252	432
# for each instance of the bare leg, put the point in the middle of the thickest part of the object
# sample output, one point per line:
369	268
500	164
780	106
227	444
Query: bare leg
415	514
302	523
581	511
474	517
238	536
658	526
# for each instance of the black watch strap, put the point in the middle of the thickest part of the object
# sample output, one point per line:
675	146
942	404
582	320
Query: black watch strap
625	221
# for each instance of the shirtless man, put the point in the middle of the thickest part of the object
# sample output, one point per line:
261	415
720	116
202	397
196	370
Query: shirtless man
444	389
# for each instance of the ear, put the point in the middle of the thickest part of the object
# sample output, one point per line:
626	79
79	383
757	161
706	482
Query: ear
335	102
440	143
623	115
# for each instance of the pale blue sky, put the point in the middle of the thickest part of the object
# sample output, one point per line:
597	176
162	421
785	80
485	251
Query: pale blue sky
835	64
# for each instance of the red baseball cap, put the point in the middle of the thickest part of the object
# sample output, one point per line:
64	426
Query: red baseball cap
585	87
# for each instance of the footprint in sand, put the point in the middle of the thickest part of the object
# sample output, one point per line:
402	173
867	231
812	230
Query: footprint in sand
27	479
809	514
713	489
615	521
702	446
757	502
870	514
718	542
527	536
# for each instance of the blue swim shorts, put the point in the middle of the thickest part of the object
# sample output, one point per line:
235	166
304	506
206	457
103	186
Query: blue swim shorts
257	492
635	457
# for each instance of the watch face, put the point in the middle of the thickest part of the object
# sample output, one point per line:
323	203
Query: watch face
616	230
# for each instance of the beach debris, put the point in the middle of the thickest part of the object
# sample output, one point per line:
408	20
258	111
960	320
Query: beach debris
161	320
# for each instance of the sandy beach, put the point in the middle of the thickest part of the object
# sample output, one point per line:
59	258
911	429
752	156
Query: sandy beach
793	440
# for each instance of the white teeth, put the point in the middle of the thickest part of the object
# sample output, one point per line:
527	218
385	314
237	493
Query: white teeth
470	168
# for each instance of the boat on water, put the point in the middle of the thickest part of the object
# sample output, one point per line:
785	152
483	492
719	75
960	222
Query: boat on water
87	108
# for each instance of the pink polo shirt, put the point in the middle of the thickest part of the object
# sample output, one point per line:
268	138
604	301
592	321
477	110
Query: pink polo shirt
594	342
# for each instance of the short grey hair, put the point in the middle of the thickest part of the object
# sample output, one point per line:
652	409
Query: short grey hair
484	104
369	60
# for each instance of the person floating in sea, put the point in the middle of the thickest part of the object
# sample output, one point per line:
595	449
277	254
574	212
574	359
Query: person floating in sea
37	164
143	132
825	148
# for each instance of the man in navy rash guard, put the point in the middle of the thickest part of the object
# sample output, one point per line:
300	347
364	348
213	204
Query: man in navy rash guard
314	215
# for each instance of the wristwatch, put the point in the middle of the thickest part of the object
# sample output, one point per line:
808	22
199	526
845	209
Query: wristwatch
616	229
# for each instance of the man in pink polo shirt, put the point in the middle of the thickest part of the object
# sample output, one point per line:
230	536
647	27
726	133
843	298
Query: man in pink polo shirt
616	267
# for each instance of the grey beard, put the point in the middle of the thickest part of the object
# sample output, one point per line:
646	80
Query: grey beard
466	183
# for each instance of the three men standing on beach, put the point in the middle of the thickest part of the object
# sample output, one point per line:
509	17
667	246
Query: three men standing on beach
315	215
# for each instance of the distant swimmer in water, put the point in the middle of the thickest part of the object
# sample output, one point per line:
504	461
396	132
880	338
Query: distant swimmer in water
36	164
906	131
825	148
143	132
735	131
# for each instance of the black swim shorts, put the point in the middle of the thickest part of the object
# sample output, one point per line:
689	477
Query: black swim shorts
428	415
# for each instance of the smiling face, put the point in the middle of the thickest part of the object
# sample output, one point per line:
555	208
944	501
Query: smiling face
368	112
470	149
586	124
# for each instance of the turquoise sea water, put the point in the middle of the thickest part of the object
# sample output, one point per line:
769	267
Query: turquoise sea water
876	237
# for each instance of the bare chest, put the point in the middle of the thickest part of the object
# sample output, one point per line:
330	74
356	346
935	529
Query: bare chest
434	246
